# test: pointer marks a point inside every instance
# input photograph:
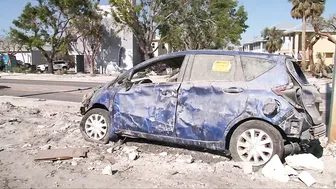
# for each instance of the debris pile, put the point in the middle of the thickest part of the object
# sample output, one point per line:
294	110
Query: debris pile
274	169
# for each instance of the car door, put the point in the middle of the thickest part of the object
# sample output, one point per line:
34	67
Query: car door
148	107
212	96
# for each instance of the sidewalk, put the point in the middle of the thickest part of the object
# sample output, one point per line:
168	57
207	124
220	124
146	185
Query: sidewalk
65	77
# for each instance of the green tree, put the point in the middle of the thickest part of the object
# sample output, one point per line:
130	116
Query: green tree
304	10
143	19
88	32
204	24
274	39
46	24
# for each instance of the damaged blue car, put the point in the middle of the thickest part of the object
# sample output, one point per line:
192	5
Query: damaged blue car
250	105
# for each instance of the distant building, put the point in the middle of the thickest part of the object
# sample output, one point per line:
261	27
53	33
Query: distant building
118	51
255	45
160	47
33	57
293	43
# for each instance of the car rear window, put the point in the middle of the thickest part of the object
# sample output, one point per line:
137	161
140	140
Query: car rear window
210	67
254	67
299	73
59	62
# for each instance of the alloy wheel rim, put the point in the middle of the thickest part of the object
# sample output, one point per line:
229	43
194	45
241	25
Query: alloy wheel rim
96	126
255	146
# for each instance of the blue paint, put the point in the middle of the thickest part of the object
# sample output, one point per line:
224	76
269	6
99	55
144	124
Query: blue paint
193	113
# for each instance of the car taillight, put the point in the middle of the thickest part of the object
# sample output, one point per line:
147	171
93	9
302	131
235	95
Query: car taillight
279	89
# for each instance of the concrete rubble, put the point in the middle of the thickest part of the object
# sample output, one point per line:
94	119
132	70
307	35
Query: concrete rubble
306	178
290	171
274	169
155	166
107	170
305	161
185	159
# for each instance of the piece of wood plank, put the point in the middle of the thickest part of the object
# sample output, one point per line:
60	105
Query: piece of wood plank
61	154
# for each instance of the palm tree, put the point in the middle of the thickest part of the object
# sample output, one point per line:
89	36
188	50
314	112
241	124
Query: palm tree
306	9
274	39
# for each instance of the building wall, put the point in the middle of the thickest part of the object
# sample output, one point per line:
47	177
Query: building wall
118	51
258	47
37	58
327	48
162	48
25	57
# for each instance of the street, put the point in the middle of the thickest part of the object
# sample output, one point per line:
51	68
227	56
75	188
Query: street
51	90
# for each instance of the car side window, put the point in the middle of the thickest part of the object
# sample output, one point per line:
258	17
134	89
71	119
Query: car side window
208	67
254	67
161	71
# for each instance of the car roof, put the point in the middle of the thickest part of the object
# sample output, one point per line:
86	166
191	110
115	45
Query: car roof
218	52
214	52
196	52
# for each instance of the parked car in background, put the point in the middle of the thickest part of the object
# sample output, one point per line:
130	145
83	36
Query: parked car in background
250	105
57	65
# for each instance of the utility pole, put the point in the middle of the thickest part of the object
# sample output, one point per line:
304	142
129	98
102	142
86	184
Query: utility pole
332	117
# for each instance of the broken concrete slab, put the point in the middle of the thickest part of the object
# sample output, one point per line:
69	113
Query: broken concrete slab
290	171
107	170
185	159
133	155
247	167
129	149
305	161
306	178
110	150
61	154
163	154
274	169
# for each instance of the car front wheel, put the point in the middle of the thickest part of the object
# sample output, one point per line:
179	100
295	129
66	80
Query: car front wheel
256	142
96	125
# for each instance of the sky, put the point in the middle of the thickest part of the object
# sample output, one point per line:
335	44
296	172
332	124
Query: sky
261	14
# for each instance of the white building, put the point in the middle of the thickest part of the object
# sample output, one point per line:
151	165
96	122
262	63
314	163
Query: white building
255	45
118	51
33	57
160	47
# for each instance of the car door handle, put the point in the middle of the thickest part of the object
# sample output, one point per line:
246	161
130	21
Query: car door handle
234	90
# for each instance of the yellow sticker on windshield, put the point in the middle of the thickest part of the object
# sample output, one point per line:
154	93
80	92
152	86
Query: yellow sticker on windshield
221	66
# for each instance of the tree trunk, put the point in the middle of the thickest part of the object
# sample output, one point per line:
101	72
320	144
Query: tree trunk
50	65
311	59
304	24
92	65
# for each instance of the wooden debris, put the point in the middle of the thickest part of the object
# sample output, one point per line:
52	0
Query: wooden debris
61	154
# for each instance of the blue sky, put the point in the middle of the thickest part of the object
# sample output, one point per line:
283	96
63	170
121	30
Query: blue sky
261	13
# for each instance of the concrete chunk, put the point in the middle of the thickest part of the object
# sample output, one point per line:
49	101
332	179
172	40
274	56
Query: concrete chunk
290	171
275	170
305	161
306	178
107	170
247	167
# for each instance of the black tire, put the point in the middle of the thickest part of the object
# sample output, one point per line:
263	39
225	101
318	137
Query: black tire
103	113
65	68
273	133
46	70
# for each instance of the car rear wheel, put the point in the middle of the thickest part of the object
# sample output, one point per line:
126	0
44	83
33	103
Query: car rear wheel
96	126
256	142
